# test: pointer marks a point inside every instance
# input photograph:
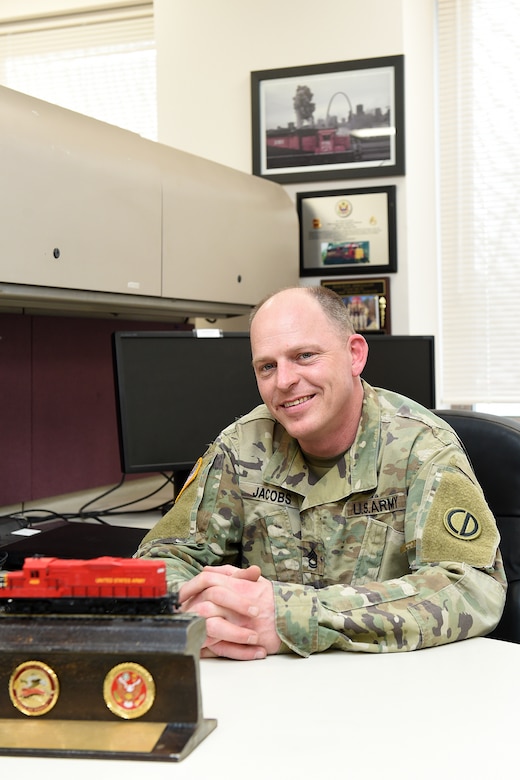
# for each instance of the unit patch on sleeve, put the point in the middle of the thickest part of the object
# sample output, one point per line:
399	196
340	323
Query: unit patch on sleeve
459	525
191	477
462	524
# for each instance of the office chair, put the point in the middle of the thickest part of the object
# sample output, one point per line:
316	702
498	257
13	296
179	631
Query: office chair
493	447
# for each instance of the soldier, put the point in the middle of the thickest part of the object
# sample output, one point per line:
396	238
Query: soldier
335	515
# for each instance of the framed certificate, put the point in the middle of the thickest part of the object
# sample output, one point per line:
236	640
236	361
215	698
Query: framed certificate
347	231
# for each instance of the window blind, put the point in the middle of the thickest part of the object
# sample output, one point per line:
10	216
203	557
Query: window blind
102	63
479	131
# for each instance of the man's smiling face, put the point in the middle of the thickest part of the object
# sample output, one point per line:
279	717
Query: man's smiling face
308	372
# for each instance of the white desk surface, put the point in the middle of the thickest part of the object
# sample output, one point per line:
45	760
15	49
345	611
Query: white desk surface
447	712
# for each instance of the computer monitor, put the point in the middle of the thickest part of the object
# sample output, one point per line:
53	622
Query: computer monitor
176	390
405	364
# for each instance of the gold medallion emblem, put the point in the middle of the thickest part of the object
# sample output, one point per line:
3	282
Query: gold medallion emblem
129	690
34	688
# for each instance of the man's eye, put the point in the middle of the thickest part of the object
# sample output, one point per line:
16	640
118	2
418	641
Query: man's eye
266	367
306	355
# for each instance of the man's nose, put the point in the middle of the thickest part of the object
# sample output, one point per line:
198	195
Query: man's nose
286	374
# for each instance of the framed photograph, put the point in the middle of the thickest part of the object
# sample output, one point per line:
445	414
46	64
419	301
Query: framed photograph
347	231
367	301
339	120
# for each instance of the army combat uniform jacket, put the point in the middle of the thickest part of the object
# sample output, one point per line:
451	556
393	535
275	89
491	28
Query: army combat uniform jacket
394	548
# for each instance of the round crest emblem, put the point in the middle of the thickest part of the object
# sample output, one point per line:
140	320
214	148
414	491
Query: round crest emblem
34	688
129	690
343	208
462	524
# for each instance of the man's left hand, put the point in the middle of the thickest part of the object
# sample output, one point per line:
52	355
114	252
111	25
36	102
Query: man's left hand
238	605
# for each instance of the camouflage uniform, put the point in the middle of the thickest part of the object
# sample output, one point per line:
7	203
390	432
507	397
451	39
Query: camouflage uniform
392	549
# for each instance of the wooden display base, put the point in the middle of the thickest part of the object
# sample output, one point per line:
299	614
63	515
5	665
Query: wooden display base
101	686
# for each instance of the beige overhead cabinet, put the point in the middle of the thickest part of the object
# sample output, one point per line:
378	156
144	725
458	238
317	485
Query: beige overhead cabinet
96	219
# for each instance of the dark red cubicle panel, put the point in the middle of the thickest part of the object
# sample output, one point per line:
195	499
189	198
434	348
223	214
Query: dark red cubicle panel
58	425
15	407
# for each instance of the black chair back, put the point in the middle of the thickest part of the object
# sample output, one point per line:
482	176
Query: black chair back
493	447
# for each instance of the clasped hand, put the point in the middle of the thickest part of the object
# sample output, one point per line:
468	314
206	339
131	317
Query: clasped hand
238	605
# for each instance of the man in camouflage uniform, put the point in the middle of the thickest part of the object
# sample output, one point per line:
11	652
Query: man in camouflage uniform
336	515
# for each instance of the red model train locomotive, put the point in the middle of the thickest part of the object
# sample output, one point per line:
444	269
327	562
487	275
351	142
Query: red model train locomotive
98	585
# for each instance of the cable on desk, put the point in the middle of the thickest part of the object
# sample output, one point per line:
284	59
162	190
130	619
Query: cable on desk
82	509
97	515
26	518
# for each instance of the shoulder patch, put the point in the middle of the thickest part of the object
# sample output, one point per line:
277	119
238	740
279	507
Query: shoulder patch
460	526
191	476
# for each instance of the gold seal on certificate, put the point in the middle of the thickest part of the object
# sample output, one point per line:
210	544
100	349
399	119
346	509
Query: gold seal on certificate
129	690
34	688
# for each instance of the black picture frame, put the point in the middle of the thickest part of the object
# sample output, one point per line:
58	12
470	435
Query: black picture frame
347	231
367	300
296	137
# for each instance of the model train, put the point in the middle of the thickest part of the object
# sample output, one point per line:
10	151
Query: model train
103	585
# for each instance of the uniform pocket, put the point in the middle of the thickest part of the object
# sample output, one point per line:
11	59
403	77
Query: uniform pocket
272	544
381	556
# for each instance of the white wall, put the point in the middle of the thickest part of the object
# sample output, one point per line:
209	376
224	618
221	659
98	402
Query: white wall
206	50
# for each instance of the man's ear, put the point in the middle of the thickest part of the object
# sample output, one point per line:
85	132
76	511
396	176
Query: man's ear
358	352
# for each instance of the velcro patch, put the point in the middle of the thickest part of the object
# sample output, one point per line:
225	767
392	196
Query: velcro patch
191	476
460	526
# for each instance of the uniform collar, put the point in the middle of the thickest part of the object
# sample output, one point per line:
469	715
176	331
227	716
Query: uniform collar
355	472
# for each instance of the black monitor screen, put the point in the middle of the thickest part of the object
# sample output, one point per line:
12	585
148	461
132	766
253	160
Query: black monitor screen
405	364
176	390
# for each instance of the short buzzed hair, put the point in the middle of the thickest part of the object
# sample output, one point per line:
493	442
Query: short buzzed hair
330	302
